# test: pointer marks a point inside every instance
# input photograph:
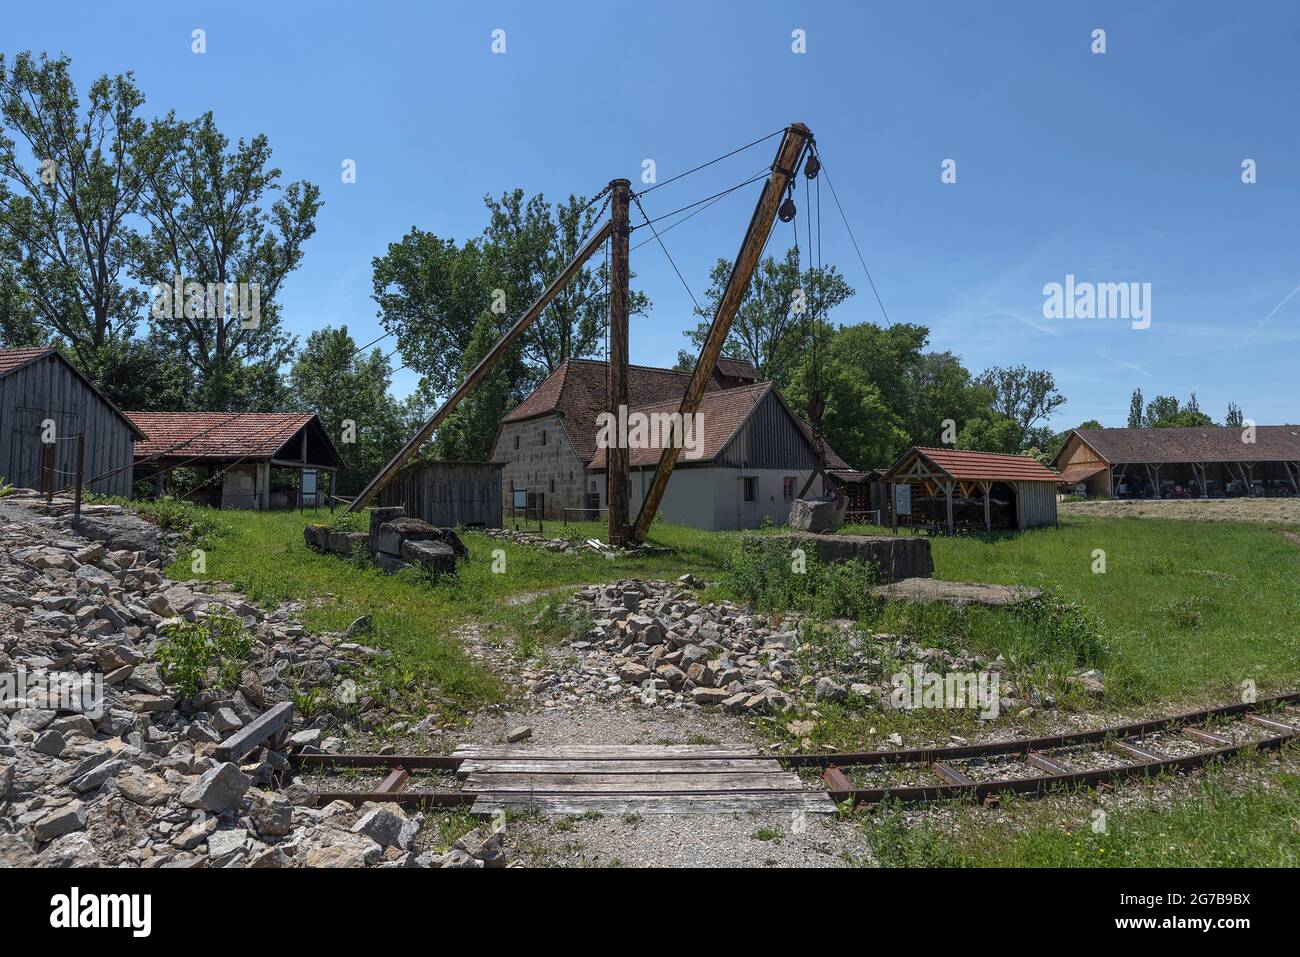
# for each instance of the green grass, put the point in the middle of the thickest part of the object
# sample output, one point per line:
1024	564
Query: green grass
263	555
1184	609
1213	825
1188	608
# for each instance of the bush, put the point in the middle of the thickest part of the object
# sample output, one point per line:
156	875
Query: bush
764	573
190	648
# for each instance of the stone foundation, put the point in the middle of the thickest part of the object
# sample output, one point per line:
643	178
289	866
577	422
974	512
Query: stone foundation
394	542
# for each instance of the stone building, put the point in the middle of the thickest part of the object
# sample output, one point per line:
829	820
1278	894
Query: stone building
754	454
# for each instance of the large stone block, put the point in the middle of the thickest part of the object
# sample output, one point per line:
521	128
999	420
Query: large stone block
380	516
317	536
815	515
438	558
343	543
895	557
393	534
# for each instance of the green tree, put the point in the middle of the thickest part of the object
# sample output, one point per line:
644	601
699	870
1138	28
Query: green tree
1027	397
349	391
773	327
66	206
1165	412
469	431
990	432
1135	410
1234	417
209	224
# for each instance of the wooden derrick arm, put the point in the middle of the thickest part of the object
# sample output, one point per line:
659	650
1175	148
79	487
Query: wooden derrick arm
797	136
521	325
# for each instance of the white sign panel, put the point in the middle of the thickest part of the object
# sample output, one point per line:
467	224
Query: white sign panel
521	498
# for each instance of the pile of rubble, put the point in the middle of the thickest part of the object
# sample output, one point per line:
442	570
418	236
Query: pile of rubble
655	643
125	770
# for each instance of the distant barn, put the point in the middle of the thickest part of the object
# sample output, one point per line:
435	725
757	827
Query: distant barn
1197	461
40	386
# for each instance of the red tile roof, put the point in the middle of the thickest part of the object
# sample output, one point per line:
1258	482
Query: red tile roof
11	359
576	392
973	466
217	435
721	414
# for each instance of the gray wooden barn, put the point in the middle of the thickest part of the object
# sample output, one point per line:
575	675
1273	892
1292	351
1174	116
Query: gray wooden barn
448	493
40	385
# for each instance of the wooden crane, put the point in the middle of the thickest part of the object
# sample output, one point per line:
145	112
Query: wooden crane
794	143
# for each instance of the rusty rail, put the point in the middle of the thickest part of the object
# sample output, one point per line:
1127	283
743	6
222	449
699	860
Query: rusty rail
952	783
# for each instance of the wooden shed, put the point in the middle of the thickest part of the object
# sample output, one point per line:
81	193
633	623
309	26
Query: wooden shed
256	460
951	490
448	493
39	386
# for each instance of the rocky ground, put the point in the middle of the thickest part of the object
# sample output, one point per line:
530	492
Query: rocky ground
655	643
126	775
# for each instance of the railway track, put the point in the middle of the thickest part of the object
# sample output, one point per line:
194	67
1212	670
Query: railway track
688	779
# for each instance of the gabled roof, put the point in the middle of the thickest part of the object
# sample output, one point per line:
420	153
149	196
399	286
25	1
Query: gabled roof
737	369
722	414
1273	443
576	392
222	435
11	360
976	466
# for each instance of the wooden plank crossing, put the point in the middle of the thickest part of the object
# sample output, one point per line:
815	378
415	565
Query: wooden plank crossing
626	779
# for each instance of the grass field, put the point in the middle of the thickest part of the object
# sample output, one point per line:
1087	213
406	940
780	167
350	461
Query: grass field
1285	511
1213	823
1188	610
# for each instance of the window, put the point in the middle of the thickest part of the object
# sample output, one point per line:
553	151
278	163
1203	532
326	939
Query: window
787	488
751	489
516	443
552	485
543	436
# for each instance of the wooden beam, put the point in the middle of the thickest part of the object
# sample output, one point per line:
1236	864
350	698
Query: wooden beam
618	481
947	494
988	520
488	361
796	139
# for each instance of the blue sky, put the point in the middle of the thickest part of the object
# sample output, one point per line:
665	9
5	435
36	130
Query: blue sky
1115	167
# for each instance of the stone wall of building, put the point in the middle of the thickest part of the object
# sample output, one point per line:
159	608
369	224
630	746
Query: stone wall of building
536	455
